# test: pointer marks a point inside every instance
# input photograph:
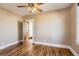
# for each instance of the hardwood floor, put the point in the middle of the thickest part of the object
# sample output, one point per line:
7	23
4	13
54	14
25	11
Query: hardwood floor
35	50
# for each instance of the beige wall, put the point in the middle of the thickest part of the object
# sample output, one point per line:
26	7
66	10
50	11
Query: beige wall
51	27
73	38
8	27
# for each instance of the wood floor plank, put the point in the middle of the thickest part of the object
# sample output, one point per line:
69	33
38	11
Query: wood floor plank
35	50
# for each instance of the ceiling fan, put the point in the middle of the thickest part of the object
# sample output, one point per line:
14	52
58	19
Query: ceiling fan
32	7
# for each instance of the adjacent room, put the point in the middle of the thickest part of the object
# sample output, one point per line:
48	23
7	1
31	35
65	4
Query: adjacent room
39	29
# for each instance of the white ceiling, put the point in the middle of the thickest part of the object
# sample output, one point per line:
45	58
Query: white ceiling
23	11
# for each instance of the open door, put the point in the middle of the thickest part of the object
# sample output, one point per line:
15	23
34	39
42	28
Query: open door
28	33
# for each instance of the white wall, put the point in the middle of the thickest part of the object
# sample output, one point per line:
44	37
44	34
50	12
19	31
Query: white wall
8	27
73	34
51	27
77	28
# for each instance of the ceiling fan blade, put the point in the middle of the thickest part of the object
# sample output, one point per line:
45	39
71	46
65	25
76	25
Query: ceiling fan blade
40	3
40	10
38	7
22	6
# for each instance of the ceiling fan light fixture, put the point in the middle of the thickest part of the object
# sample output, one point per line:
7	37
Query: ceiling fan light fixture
34	8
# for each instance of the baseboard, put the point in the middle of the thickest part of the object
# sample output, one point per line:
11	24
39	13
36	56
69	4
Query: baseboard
73	51
58	45
5	46
53	45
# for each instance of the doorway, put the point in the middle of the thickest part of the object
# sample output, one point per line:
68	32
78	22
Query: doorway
20	30
28	31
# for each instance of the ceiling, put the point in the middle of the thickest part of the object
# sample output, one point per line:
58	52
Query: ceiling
24	11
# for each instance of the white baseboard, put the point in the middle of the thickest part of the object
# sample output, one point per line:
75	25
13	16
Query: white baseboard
5	46
58	45
53	45
73	51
